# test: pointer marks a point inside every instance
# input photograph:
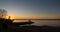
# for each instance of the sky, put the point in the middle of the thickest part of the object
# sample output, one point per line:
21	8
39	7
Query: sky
32	9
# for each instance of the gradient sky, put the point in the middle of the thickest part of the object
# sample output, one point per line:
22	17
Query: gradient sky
32	8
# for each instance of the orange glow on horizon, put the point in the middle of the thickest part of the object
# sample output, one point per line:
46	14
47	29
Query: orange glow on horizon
46	17
11	17
32	17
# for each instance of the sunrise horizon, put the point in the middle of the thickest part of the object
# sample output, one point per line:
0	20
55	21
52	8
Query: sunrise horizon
32	9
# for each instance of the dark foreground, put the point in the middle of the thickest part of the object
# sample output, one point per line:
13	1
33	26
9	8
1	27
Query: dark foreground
33	29
7	25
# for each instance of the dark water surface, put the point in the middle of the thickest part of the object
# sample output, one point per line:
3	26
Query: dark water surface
43	22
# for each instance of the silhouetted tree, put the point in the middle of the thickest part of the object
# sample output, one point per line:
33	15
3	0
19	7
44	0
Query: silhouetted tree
3	13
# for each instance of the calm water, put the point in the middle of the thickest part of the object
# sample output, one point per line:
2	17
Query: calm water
43	22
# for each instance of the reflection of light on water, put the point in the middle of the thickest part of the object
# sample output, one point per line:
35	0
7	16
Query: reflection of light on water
43	22
47	22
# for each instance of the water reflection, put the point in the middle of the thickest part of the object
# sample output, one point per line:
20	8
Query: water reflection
42	22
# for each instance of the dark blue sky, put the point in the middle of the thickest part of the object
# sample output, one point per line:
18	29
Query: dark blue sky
32	8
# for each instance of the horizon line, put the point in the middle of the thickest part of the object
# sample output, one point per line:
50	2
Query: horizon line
36	19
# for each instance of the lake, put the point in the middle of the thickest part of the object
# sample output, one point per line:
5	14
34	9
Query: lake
42	22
